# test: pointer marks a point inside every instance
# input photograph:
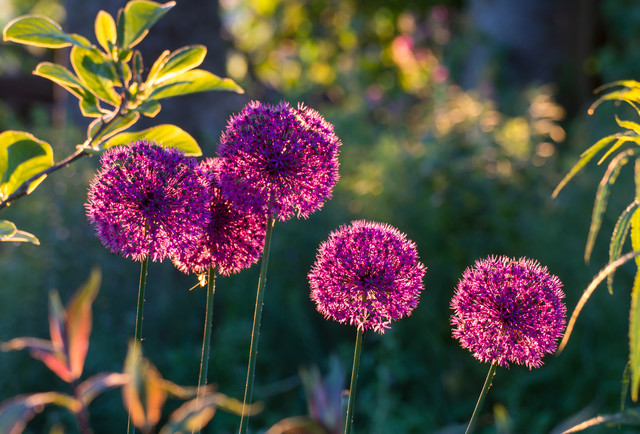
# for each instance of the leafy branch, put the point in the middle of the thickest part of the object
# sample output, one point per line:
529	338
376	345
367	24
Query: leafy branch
108	82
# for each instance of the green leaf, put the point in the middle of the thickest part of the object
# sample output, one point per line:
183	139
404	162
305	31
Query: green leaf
610	268
620	232
22	156
97	73
16	412
602	196
105	28
149	108
9	232
40	31
79	321
94	386
619	95
169	136
196	80
628	125
176	63
622	139
627	417
139	16
7	228
157	65
100	133
634	334
585	157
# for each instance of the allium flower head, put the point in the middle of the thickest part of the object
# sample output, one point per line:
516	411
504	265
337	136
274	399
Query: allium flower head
148	201
367	274
278	161
508	310
232	241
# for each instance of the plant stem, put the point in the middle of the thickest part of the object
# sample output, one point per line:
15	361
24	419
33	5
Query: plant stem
483	395
354	380
206	340
255	333
138	336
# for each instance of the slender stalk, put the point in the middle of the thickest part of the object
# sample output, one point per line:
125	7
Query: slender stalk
354	380
483	395
206	340
138	336
255	333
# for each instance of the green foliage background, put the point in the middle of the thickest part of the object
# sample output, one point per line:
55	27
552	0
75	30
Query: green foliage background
462	176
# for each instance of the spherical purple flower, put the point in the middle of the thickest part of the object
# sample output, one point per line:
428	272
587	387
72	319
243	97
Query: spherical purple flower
148	201
232	241
508	310
367	274
278	161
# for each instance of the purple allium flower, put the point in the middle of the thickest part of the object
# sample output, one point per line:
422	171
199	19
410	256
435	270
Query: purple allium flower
508	310
232	241
367	274
278	161
148	201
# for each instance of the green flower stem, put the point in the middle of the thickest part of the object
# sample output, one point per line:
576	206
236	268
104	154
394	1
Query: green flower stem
255	333
206	340
354	380
138	337
483	395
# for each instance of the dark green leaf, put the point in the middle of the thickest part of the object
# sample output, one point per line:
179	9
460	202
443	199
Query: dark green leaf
40	31
16	412
139	16
99	132
21	157
195	80
602	196
610	268
105	28
620	232
97	73
166	135
176	63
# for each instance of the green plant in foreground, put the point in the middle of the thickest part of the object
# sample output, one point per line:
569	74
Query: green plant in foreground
621	148
107	80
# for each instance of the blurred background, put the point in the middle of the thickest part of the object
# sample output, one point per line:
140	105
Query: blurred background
458	118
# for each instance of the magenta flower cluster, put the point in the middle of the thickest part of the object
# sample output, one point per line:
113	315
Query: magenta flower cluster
232	241
366	274
147	201
508	311
278	161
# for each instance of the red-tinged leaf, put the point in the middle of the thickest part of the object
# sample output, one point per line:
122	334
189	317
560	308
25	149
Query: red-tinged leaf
44	351
57	320
94	386
144	394
297	425
79	320
195	414
16	412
